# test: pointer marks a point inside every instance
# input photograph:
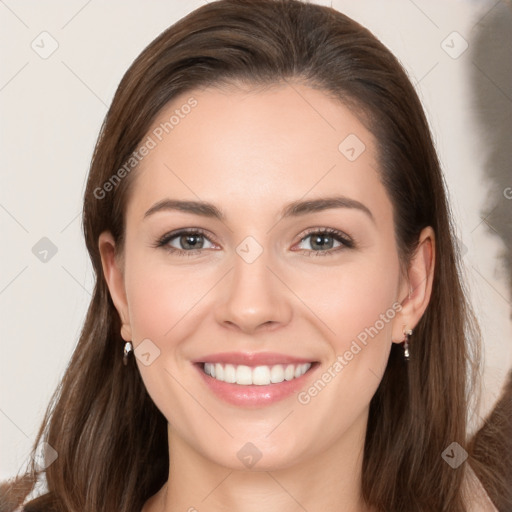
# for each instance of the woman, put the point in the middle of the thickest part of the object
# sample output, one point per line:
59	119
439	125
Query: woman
278	321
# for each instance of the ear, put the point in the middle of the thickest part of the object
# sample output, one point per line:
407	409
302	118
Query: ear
416	289
113	271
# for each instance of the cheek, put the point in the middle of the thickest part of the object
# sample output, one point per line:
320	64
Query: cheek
359	308
154	304
355	300
161	298
163	303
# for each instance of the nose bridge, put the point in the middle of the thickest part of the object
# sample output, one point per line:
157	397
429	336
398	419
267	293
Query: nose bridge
255	296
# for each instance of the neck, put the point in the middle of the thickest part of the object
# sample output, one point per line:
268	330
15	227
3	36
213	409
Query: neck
329	480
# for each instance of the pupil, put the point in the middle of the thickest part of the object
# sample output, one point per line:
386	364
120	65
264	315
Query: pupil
189	240
321	241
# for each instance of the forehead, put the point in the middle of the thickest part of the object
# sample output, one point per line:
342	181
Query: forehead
256	148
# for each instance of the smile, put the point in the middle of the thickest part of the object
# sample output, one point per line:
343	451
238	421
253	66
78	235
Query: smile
254	379
259	375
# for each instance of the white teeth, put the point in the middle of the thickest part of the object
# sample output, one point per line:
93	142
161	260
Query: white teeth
258	375
261	375
276	374
289	373
243	375
219	371
229	373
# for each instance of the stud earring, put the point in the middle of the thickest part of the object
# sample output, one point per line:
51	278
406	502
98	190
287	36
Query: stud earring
407	333
128	347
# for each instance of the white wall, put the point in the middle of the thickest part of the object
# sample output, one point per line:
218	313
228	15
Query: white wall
51	111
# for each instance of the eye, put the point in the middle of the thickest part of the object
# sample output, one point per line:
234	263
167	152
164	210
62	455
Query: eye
323	239
190	241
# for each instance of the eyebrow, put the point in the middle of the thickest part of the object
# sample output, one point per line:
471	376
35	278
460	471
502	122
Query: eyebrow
294	209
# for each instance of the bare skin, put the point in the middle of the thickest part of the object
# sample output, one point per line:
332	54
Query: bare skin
251	152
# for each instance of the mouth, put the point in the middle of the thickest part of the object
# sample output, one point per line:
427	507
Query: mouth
259	375
254	380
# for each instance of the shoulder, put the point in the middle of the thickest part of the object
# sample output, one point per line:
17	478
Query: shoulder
476	498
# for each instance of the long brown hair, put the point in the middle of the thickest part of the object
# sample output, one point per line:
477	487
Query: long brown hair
110	438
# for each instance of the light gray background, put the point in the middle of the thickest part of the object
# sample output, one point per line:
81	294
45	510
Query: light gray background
51	110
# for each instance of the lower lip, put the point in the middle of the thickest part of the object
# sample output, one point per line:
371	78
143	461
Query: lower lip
253	395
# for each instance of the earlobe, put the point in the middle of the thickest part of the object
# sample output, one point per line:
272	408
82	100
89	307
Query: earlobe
420	276
114	277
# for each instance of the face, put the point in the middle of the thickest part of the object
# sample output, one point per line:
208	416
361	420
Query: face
291	301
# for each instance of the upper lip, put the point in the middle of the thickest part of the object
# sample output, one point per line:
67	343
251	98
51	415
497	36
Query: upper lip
252	359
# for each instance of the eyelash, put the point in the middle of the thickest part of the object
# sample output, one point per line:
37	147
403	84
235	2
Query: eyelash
346	241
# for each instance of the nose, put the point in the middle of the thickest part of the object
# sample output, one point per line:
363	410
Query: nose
254	297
